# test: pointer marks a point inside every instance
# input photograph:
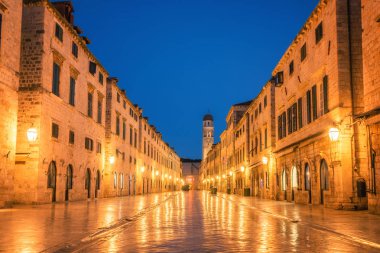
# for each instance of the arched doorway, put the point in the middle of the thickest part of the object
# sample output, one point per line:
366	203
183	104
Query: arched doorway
294	180
88	183
52	179
69	181
324	169
283	182
97	183
308	181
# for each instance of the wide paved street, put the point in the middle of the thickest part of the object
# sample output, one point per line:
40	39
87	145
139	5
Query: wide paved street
186	222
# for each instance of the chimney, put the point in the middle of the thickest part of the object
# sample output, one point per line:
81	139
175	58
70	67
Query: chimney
66	9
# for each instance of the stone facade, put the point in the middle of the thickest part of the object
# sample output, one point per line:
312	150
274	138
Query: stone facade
190	172
318	88
371	80
66	96
10	46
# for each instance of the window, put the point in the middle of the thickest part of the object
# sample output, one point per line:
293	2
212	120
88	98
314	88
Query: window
279	126
117	125
260	108
265	102
131	136
261	142
71	137
92	68
121	181
58	32
290	123
101	78
98	148
74	49
72	92
318	33
118	97
325	95
56	74
135	139
114	180
51	175
291	67
99	118
124	130
124	104
294	117
89	104
54	130
284	124
299	113
256	145
88	144
266	138
303	52
1	25
314	101
69	177
308	106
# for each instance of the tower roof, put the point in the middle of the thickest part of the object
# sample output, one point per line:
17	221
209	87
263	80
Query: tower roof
208	117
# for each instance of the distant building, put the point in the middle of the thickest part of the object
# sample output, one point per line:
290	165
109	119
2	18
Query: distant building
190	172
208	134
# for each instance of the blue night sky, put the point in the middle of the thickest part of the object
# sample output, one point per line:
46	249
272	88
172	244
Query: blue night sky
180	59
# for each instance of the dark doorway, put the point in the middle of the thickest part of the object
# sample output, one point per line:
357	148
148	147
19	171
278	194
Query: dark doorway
52	179
308	181
97	183
69	181
324	178
88	183
284	183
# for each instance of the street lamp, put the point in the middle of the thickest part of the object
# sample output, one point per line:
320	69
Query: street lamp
265	160
112	159
157	173
142	169
31	134
242	168
334	134
231	173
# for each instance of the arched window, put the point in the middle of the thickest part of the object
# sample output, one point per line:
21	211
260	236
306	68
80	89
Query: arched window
115	180
283	180
69	177
294	177
324	175
307	177
121	180
88	179
97	180
51	175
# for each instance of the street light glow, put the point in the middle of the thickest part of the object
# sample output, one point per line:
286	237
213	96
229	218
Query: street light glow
334	134
242	168
265	160
112	159
32	134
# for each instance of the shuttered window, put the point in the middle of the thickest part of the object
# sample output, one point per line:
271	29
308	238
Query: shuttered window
325	95
72	91
314	102
56	73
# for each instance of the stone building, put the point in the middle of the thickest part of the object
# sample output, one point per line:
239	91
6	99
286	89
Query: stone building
319	90
321	124
262	136
190	172
208	134
62	89
10	46
71	133
371	82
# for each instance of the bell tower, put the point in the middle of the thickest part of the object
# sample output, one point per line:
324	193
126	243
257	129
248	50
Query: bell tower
208	134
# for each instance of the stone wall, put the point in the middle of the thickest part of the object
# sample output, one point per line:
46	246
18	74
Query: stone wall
10	45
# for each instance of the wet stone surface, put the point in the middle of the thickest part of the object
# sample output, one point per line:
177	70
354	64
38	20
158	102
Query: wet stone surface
187	222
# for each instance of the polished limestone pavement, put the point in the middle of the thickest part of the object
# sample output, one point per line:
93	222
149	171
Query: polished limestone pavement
194	221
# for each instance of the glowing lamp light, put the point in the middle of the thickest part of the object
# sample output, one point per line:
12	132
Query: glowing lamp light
170	177
32	134
157	173
142	169
334	134
231	173
264	160
112	159
242	168
166	175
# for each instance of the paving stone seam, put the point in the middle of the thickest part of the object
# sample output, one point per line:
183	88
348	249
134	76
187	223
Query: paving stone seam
104	232
317	227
